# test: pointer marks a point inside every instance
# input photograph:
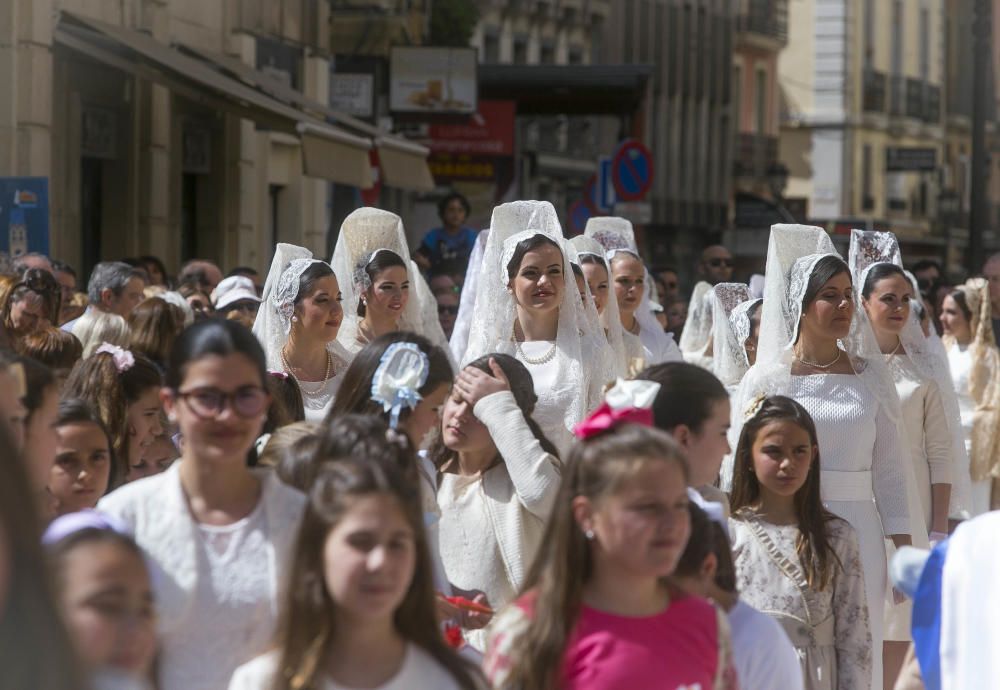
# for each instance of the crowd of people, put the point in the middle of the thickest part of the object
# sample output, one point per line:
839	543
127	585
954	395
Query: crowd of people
507	459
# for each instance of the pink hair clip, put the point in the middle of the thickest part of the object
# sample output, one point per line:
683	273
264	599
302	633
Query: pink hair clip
123	359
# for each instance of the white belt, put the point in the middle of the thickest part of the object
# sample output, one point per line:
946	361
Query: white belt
846	486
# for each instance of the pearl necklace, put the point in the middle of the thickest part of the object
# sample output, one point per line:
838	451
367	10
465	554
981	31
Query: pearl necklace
544	359
326	377
821	366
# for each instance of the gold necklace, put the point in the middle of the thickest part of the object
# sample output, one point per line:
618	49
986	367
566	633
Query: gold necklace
326	377
820	366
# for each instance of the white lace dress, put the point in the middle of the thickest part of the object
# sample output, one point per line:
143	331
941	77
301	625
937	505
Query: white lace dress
863	477
829	629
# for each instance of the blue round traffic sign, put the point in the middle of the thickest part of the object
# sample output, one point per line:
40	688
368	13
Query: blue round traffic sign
632	170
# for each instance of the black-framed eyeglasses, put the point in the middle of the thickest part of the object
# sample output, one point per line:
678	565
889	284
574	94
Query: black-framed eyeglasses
717	262
447	309
208	403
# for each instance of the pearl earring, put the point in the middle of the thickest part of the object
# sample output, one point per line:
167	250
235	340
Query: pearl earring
295	319
589	534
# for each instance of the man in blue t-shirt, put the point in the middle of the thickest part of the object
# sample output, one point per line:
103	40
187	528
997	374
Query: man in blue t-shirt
446	249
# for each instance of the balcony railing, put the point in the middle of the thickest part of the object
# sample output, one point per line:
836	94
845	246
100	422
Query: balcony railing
874	92
768	18
754	155
912	98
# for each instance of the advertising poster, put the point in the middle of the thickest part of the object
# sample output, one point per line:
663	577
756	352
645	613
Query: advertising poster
433	80
24	217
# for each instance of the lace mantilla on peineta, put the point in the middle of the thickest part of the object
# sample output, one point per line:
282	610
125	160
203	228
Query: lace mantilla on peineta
287	290
363	233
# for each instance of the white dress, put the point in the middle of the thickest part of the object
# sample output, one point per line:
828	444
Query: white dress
317	404
550	410
960	362
862	479
659	350
927	428
419	670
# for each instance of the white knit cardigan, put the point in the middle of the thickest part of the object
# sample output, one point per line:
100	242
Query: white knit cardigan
156	512
520	491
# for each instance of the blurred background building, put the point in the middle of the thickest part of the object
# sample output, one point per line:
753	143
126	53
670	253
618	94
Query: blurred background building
188	128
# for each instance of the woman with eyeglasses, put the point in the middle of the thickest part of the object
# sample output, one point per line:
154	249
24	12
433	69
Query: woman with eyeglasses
30	304
219	532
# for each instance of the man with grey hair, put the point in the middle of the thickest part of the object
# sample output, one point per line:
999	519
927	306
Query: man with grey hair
115	288
991	272
31	260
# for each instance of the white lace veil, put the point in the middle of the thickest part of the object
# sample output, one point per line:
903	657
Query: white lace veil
467	300
868	249
363	233
697	331
610	318
274	318
616	235
586	363
729	359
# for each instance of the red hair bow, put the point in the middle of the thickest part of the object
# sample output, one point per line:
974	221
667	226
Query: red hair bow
605	418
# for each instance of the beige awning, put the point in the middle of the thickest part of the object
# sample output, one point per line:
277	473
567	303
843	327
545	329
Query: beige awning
403	163
343	156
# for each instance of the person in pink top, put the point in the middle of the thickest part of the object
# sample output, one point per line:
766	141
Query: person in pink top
595	612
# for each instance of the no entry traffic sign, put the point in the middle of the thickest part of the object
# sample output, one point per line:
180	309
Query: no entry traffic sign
632	170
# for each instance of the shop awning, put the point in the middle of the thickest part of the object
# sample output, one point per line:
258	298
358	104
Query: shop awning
338	156
403	163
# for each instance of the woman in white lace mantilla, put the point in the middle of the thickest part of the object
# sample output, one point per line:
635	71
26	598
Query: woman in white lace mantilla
630	280
524	308
930	413
297	324
384	292
629	356
975	371
808	311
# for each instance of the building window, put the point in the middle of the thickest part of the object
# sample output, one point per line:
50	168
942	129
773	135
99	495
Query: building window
575	56
867	199
547	54
760	103
925	44
869	29
520	50
491	47
738	96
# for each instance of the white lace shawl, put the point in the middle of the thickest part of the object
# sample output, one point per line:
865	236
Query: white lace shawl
584	360
729	358
467	301
697	332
